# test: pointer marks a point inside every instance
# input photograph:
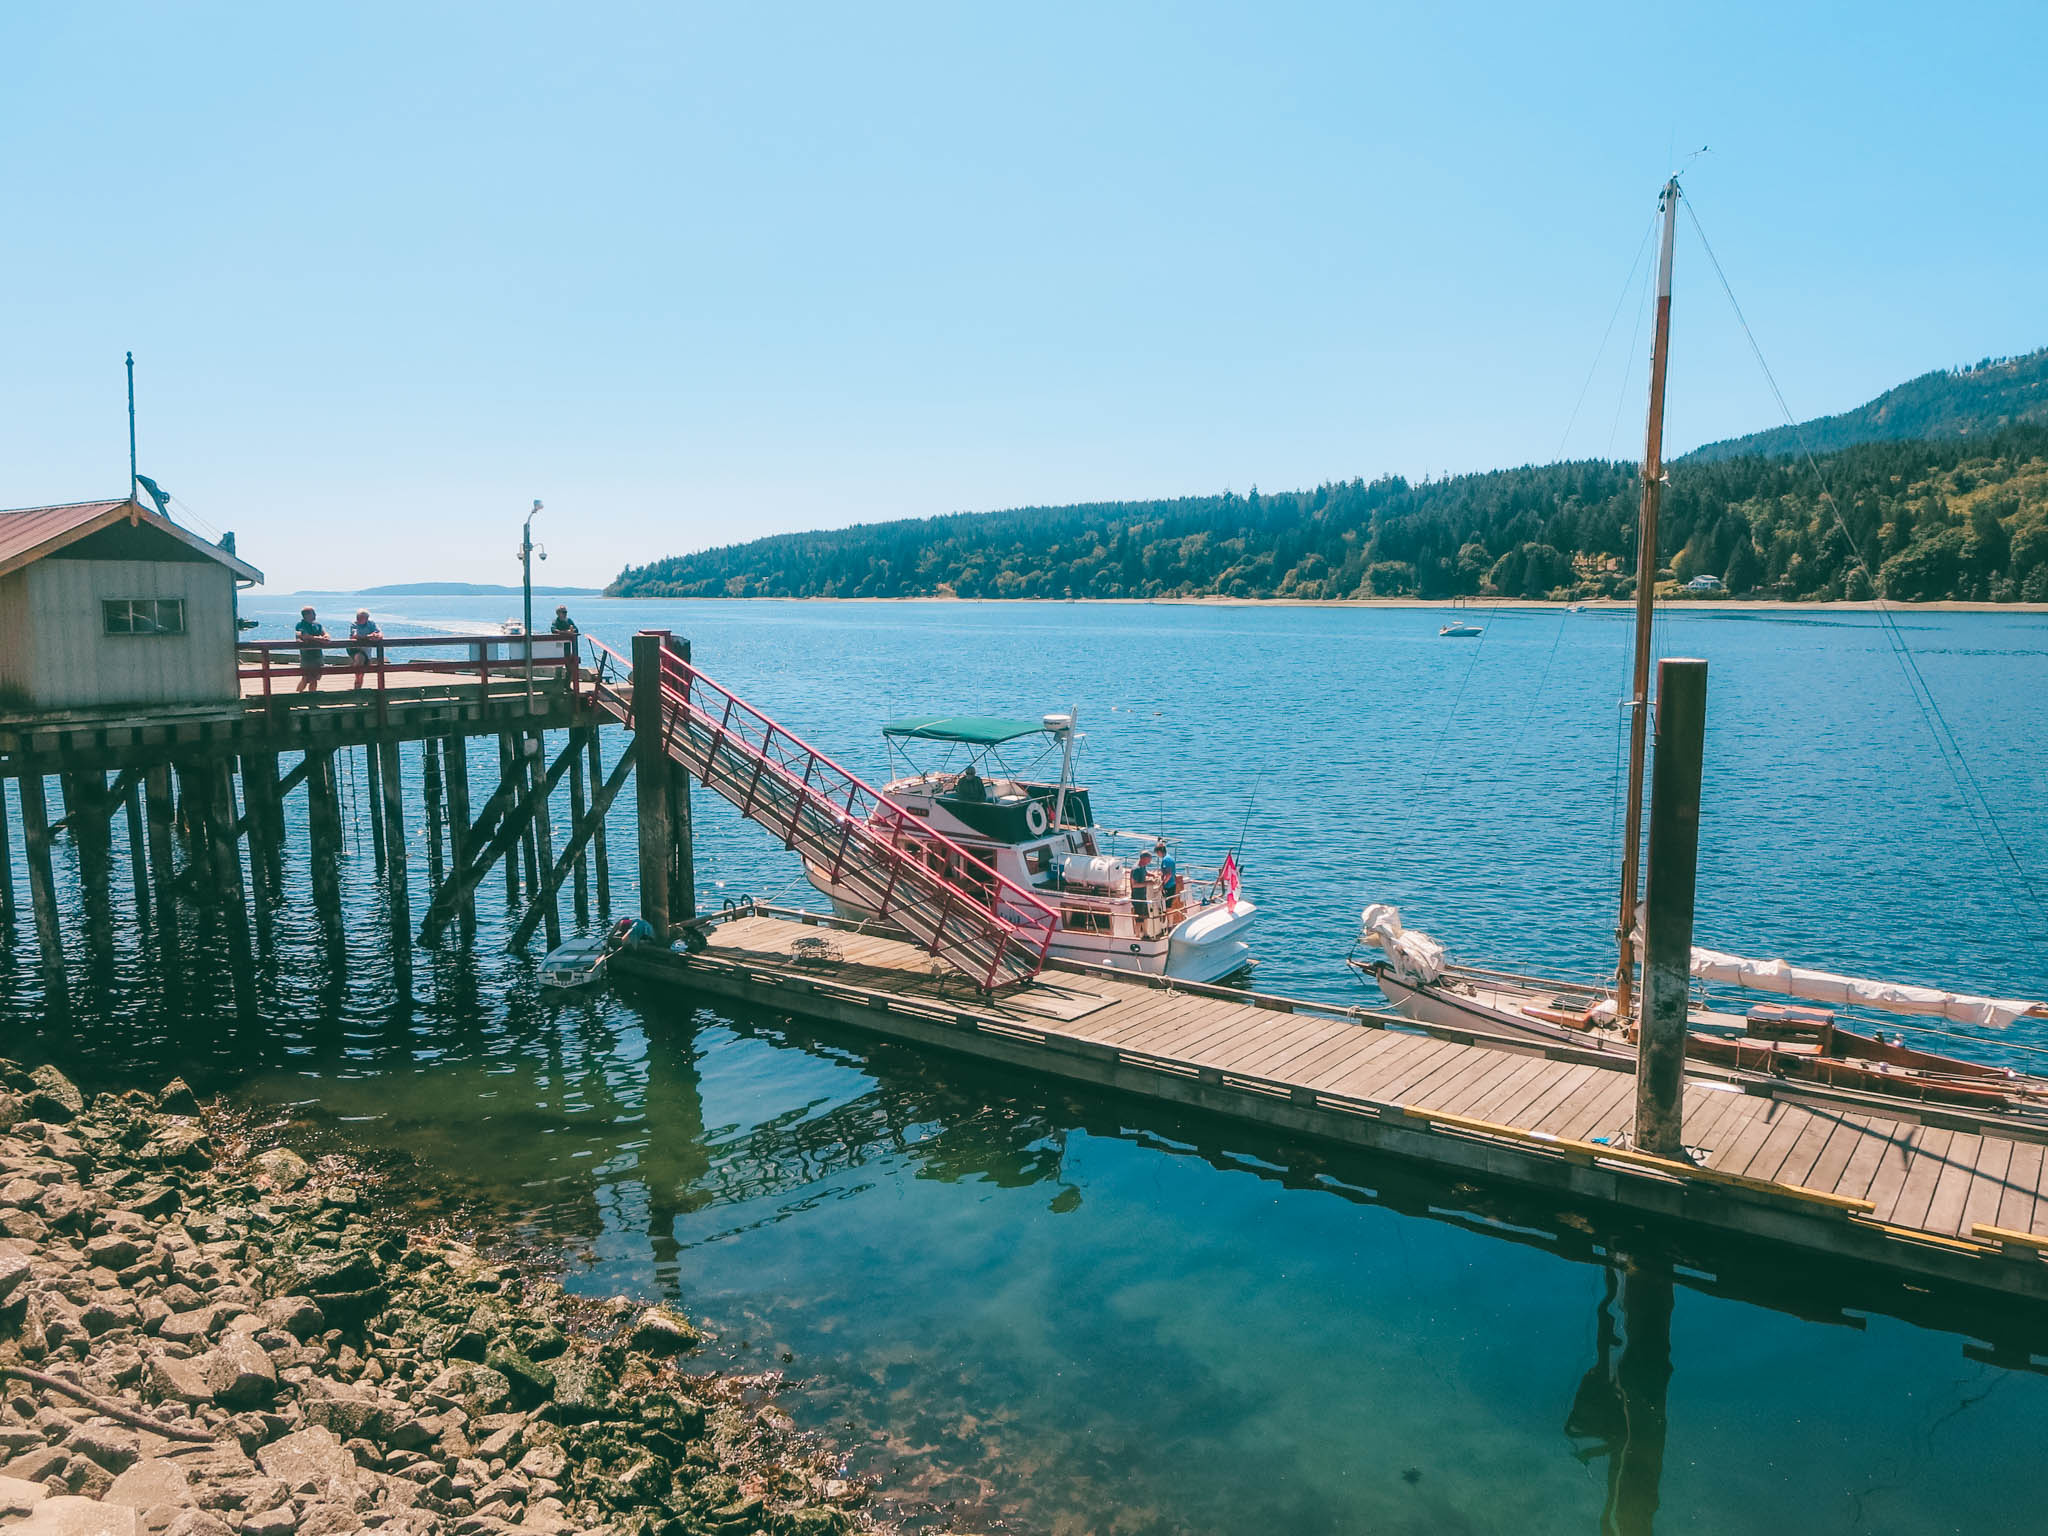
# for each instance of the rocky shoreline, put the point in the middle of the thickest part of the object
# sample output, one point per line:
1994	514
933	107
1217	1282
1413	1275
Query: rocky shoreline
197	1338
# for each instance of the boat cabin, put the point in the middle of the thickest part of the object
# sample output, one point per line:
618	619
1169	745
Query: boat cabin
107	603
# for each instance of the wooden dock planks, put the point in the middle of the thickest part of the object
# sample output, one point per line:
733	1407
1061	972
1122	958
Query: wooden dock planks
1929	1181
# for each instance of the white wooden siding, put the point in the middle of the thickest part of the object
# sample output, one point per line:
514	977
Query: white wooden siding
76	664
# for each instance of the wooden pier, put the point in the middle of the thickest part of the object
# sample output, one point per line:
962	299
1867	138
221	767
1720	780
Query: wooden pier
1936	1193
212	782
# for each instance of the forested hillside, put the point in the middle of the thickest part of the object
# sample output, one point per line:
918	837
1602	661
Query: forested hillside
1964	518
1951	402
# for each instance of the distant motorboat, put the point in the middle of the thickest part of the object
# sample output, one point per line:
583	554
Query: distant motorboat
1460	631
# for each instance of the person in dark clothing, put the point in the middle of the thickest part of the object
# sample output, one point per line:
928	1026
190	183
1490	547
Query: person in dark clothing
969	786
563	625
1141	893
312	635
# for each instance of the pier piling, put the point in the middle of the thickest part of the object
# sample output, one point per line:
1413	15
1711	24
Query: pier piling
42	883
392	810
1667	923
455	763
652	767
138	852
542	837
576	806
6	868
323	829
598	855
682	887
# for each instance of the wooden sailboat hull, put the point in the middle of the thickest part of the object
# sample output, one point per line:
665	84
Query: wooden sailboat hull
1844	1059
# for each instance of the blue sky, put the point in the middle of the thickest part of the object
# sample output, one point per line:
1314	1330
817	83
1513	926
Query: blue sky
692	274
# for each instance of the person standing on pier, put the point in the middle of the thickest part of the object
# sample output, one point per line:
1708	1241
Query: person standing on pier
312	635
364	628
565	628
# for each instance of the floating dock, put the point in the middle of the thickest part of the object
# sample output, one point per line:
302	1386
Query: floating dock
1930	1191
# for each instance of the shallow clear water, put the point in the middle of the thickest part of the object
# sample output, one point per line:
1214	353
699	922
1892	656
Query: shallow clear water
1030	1309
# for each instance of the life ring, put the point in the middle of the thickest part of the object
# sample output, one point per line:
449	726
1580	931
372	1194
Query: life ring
1036	821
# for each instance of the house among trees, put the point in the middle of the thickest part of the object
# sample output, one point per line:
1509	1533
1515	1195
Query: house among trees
108	603
1705	586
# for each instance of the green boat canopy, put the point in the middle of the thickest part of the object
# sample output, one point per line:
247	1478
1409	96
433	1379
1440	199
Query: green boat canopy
975	730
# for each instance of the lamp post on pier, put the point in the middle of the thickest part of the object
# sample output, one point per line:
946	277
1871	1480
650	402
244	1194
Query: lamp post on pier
526	588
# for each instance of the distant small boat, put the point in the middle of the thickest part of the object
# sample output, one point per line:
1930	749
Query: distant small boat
1460	631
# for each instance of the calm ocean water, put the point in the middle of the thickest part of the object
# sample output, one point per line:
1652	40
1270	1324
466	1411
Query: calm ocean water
1033	1310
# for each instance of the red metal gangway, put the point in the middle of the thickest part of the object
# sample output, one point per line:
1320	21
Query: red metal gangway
889	861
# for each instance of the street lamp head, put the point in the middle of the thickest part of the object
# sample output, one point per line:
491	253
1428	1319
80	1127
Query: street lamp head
536	505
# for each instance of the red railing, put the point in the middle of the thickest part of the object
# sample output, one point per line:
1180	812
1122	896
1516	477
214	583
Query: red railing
486	657
889	862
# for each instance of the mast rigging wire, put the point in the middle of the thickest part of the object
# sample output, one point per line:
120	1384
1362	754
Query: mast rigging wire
1946	744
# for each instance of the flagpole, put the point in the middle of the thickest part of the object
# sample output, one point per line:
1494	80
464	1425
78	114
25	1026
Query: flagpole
131	426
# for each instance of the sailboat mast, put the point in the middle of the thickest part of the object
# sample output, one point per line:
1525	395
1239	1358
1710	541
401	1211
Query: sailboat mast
1646	602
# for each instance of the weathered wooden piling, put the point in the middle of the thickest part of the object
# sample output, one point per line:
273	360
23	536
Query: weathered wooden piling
508	766
576	806
375	782
455	763
161	818
42	883
543	836
6	862
430	790
651	769
598	854
227	873
393	813
682	871
323	832
1667	923
138	851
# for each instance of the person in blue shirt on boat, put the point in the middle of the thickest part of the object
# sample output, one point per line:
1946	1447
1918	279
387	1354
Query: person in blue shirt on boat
1169	879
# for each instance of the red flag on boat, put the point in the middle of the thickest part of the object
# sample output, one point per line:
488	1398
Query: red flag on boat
1227	878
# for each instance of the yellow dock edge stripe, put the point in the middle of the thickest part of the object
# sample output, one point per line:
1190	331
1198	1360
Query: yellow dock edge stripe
1984	1232
1634	1159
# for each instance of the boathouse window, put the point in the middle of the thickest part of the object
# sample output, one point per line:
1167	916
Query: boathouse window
143	615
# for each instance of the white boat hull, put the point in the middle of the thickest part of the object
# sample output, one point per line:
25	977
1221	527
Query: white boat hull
1200	949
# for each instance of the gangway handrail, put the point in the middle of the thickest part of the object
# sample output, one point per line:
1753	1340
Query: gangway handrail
1017	915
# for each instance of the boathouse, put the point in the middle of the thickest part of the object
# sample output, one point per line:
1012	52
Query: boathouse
107	603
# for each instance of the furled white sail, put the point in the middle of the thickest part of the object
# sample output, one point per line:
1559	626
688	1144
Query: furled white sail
1826	987
1415	957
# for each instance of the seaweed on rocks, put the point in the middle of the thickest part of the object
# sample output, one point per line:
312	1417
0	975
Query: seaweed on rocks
199	1338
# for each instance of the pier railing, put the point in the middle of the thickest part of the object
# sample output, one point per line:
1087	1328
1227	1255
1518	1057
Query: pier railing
279	665
886	861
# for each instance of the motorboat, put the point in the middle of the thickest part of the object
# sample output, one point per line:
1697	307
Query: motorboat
1124	899
1461	631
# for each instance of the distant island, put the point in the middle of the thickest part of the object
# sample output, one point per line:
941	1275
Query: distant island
1942	483
469	589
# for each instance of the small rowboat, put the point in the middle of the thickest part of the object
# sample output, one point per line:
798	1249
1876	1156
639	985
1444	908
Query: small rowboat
582	960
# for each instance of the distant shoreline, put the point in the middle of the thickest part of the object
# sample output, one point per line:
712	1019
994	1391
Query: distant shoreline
1665	606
